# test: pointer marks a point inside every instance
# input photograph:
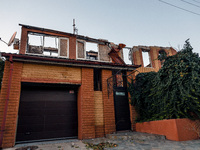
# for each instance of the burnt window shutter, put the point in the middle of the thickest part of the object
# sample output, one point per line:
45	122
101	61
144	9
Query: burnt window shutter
63	47
80	51
103	52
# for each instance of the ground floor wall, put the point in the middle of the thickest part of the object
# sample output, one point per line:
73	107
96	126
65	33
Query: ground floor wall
96	112
13	105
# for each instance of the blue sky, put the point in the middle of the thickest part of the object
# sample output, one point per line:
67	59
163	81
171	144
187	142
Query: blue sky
132	22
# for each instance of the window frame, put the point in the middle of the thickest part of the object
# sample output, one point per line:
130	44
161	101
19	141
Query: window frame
85	58
43	41
149	54
85	51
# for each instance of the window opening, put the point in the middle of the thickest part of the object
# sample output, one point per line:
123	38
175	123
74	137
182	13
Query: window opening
146	58
97	80
162	55
92	51
50	46
35	44
47	45
126	56
35	40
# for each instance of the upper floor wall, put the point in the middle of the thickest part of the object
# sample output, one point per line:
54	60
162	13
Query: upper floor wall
52	43
147	57
46	42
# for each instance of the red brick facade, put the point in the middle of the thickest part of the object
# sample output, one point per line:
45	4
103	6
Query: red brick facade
86	105
11	118
108	103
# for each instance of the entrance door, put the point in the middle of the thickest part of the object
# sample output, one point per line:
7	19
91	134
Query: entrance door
47	111
122	112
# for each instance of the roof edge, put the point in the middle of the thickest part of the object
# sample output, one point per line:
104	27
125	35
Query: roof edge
101	41
68	62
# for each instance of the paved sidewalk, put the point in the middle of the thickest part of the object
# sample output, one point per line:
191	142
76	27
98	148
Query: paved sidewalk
123	144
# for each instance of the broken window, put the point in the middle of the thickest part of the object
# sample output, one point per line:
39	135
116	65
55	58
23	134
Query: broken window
50	47
92	51
126	56
35	44
47	45
146	58
87	50
97	80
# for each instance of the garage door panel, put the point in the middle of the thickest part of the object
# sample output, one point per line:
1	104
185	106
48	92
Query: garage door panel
47	112
60	126
58	98
61	104
31	112
30	128
27	120
32	104
61	133
32	95
32	136
59	119
62	111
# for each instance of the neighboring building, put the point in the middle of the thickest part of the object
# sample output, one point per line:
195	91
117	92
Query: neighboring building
56	88
147	57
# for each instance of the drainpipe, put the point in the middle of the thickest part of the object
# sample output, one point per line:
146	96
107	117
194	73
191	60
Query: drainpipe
6	102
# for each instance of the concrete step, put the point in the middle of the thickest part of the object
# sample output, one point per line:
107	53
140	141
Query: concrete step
129	135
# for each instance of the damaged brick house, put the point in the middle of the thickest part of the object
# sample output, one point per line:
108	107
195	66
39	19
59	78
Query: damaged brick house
57	88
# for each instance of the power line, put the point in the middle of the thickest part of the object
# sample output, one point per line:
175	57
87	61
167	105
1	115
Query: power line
196	1
190	3
179	7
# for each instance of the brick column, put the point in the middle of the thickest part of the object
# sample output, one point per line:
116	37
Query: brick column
133	116
133	113
86	106
99	120
13	104
23	42
72	47
108	103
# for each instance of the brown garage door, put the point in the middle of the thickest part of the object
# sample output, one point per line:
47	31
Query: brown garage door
47	111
